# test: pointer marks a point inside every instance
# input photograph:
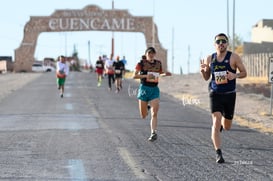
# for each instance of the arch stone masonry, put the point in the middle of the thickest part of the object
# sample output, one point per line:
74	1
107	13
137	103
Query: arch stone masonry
90	18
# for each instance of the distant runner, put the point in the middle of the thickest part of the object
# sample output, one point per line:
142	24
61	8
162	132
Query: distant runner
109	69
99	70
119	69
61	73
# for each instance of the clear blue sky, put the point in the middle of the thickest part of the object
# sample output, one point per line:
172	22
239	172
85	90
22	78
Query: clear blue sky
195	23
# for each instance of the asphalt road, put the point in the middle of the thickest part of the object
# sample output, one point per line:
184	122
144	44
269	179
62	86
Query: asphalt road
94	134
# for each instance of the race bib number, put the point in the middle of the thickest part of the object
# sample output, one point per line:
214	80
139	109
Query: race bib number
117	71
153	77
220	77
99	65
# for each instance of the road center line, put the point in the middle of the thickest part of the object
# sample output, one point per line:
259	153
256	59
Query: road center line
125	155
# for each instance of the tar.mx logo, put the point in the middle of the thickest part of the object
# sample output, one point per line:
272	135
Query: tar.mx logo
133	91
189	101
243	162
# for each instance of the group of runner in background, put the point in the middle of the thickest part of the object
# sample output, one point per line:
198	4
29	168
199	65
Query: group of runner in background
113	69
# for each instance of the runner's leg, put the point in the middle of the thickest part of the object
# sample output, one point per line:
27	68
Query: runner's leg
215	129
154	110
143	108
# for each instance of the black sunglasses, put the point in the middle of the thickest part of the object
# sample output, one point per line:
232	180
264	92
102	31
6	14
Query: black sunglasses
220	41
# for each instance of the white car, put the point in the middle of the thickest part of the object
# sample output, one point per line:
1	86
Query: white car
36	67
49	69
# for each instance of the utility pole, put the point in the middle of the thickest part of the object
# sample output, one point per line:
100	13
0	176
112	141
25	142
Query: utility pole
153	28
233	29
228	18
189	55
113	41
65	36
173	50
89	57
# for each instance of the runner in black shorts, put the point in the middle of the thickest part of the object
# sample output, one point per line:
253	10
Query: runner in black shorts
119	69
222	67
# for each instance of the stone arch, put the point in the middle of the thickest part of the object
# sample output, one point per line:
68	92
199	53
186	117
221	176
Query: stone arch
90	18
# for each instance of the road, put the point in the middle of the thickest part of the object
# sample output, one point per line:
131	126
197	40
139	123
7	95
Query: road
95	134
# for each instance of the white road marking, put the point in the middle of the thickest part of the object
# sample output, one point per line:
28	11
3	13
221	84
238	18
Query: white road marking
129	160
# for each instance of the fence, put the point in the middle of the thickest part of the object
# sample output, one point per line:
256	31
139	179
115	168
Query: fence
257	64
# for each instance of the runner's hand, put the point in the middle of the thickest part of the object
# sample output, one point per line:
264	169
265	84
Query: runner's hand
203	67
166	74
230	75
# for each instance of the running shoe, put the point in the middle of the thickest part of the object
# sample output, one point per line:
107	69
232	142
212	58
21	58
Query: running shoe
219	157
153	137
117	90
62	95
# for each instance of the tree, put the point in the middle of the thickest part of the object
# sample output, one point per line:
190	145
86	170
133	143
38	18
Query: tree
238	44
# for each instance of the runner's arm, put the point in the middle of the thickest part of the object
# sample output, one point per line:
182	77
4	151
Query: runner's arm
136	75
242	70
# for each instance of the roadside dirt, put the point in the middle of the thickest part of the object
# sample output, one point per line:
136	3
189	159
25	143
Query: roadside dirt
252	105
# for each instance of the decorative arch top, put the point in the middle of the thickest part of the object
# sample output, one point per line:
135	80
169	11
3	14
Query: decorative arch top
90	18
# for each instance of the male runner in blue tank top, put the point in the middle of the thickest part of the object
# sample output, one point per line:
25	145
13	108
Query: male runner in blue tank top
222	67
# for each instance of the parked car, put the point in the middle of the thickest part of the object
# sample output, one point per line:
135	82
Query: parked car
36	67
49	68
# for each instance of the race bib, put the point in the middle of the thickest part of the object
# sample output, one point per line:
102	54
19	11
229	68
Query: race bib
110	71
117	71
221	77
153	78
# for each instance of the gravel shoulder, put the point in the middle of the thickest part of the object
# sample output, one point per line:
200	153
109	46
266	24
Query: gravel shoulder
13	81
252	108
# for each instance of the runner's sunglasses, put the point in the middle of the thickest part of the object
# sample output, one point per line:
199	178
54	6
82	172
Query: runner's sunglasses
220	41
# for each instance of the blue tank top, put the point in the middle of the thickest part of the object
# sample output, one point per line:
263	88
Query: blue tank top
219	82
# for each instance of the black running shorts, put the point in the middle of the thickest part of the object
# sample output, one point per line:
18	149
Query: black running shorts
224	103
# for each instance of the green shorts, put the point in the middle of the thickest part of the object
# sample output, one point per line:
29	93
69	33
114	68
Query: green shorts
148	93
60	81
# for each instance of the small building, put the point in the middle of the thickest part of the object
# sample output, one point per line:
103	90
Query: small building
6	64
261	38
